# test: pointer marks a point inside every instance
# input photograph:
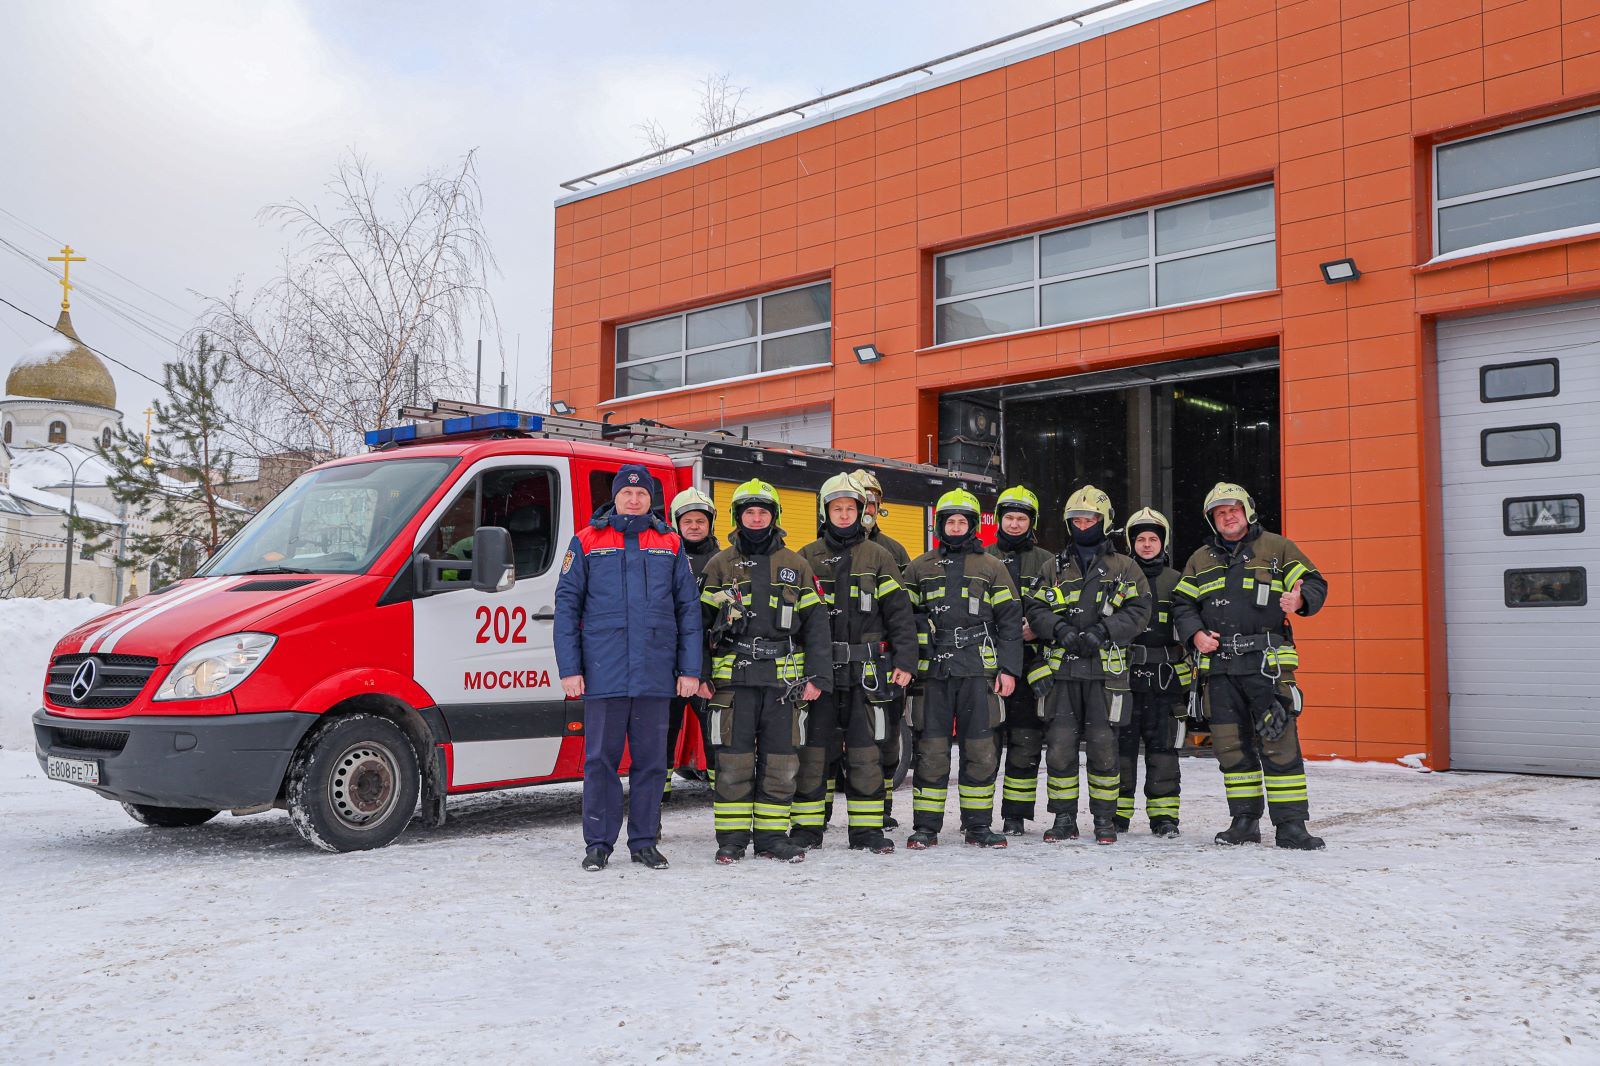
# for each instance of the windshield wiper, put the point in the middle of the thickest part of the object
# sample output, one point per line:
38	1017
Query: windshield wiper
275	570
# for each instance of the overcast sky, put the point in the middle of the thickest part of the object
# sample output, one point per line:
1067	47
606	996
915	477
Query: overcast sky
149	133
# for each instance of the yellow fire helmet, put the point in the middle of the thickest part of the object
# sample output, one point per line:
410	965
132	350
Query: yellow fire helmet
1225	492
958	501
1148	518
873	489
1088	502
1017	498
692	499
840	487
756	493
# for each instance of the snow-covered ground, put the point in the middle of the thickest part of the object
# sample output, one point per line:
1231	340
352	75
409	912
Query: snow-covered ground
1452	920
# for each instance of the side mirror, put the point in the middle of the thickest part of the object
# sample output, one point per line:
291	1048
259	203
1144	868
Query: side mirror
492	567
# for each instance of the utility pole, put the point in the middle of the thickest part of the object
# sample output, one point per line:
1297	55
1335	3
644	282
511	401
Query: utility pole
477	386
72	507
502	387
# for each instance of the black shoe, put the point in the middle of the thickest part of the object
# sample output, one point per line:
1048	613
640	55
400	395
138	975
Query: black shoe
981	836
1012	827
595	859
1065	827
878	845
729	854
922	840
1244	830
1164	827
651	858
889	821
1105	831
1121	823
805	837
1293	835
781	850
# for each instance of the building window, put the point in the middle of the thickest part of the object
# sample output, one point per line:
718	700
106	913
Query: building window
1519	381
1514	185
1181	253
1520	444
1526	516
761	335
105	437
58	433
1566	586
8	433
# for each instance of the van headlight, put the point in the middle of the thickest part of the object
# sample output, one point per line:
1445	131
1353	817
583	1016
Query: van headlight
216	666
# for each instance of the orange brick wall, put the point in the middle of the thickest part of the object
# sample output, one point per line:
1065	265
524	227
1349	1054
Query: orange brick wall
1335	102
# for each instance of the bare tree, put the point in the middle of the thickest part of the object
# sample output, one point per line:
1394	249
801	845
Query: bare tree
19	579
369	311
720	105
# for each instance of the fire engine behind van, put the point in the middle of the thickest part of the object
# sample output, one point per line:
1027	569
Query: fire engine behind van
379	635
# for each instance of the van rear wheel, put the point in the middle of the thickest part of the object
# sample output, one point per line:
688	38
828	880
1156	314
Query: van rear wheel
168	817
353	784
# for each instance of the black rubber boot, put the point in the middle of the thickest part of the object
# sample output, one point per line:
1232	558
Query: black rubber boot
1293	835
890	822
595	859
1244	830
806	837
650	858
877	844
922	840
1065	827
729	854
781	850
1164	827
1105	830
1121	823
982	836
1012	827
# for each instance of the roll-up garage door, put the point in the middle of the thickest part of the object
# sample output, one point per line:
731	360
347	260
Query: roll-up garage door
1519	465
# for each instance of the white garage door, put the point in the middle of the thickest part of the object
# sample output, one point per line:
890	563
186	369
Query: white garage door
1520	462
814	427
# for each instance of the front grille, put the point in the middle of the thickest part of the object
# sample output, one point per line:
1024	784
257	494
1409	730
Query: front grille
278	585
108	741
122	677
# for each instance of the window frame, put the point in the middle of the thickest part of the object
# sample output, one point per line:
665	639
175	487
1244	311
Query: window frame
1483	445
1507	575
1436	205
757	338
1150	263
473	484
1483	380
1505	514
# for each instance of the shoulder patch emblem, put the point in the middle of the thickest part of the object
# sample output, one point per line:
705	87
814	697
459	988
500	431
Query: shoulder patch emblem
788	574
566	564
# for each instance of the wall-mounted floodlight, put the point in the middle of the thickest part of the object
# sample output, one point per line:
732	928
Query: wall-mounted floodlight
1339	271
562	407
867	353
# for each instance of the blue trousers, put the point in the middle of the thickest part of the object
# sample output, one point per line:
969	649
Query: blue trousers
607	724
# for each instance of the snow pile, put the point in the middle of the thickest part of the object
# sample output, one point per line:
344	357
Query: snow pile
46	351
30	629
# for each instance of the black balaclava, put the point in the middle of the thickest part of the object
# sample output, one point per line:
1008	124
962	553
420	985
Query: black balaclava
1014	544
837	538
1151	567
965	542
1086	542
754	542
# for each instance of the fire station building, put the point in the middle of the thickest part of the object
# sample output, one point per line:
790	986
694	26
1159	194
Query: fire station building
1346	254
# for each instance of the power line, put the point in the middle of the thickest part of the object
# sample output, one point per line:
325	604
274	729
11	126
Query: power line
28	225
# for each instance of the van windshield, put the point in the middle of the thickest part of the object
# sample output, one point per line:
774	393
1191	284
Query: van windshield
332	521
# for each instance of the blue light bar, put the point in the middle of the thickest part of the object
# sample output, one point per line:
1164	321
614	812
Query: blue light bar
467	425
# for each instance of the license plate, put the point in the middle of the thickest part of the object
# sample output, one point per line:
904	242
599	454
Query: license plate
78	771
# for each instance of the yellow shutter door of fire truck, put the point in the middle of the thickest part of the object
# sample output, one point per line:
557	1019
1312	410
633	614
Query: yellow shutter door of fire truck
905	522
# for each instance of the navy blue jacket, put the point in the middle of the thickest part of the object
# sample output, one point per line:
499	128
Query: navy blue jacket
627	609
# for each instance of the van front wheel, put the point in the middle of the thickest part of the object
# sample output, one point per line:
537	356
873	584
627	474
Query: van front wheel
353	784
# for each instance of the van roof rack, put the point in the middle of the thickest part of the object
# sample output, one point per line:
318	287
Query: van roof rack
649	434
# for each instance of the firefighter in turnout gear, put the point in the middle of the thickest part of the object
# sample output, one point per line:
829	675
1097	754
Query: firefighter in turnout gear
1159	675
771	658
972	657
693	514
1017	515
874	653
1233	605
896	708
1091	603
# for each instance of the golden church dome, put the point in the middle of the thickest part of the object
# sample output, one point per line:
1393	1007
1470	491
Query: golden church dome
61	368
